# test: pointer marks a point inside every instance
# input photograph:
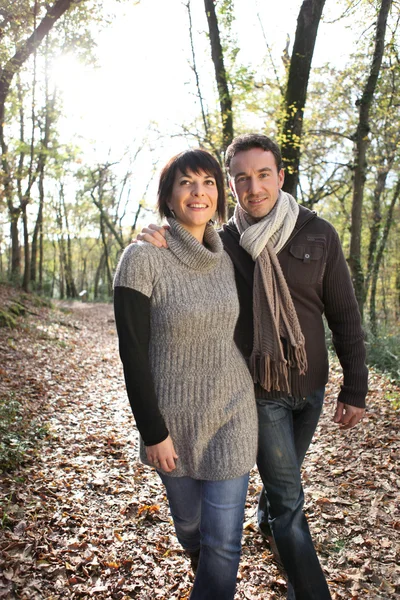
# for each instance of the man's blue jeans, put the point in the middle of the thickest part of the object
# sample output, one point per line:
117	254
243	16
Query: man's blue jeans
286	428
208	515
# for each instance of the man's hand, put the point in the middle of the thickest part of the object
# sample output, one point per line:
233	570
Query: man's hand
162	455
154	234
348	416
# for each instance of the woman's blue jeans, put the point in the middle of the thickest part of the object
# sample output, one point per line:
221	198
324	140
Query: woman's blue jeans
208	515
286	427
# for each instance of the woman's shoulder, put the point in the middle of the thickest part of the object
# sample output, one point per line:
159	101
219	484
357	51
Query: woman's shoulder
139	262
227	261
143	252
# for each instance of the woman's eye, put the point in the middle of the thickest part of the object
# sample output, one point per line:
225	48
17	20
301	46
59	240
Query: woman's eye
210	182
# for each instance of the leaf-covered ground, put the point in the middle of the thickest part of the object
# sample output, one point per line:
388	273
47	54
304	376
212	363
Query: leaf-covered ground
82	518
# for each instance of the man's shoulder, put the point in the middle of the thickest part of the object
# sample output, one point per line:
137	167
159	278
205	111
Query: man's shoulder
229	233
310	219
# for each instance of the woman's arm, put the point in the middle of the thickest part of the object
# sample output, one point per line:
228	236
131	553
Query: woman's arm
134	280
132	317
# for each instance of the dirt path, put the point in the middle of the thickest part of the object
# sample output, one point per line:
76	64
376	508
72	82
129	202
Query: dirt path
83	519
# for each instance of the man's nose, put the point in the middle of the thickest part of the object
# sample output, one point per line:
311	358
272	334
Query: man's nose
254	186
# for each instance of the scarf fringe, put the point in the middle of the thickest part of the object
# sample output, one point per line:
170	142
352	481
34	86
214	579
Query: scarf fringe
270	374
297	358
275	375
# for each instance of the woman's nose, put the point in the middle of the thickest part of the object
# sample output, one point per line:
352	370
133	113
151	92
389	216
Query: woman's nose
198	190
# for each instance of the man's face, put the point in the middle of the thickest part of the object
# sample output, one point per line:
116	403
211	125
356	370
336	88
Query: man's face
255	181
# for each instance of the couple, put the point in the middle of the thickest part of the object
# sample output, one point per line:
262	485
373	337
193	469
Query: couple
183	312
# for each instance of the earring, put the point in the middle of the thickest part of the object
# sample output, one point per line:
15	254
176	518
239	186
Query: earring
171	210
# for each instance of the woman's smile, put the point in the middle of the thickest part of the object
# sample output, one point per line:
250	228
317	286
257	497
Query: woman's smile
194	201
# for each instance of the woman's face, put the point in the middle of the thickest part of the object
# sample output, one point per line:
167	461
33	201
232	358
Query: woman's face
194	200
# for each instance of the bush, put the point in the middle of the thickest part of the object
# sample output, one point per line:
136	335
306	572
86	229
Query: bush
7	319
18	433
383	352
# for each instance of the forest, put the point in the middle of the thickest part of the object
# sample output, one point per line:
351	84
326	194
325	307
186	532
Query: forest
65	217
78	179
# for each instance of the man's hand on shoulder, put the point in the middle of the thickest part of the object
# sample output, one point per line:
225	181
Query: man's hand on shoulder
154	234
347	416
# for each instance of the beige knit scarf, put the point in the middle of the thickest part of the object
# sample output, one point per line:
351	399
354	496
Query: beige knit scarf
274	314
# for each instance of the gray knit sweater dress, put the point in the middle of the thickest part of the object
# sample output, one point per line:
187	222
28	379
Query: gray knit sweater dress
176	311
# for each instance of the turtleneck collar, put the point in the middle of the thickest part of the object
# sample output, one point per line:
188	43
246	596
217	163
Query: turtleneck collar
189	250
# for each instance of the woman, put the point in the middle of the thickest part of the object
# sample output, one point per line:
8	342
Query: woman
188	385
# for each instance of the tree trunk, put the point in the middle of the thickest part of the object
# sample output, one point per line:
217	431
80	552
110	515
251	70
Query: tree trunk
133	228
38	230
361	138
379	256
106	256
375	227
15	248
61	261
225	100
66	250
83	284
25	281
97	276
296	90
36	238
53	279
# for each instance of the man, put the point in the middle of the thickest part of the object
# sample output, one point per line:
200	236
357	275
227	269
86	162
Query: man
290	270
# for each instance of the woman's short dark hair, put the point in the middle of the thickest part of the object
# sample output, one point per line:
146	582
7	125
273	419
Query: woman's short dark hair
248	141
195	161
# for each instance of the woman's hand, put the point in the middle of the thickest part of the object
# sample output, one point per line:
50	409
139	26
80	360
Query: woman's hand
162	455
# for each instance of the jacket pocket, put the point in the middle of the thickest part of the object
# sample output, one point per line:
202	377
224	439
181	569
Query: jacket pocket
306	263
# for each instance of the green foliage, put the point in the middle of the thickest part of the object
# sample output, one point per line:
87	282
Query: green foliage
394	398
7	319
19	434
383	353
37	300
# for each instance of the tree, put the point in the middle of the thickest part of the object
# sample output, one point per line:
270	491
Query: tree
225	101
26	46
296	90
361	144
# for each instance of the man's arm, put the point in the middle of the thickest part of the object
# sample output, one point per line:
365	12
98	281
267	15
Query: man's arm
154	234
344	320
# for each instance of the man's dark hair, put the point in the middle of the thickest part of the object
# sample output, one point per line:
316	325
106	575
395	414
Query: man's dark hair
196	161
248	141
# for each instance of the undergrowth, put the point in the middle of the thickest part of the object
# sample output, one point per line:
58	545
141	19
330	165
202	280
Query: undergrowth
19	433
383	352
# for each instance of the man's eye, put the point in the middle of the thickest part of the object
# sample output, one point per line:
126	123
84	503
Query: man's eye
240	179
